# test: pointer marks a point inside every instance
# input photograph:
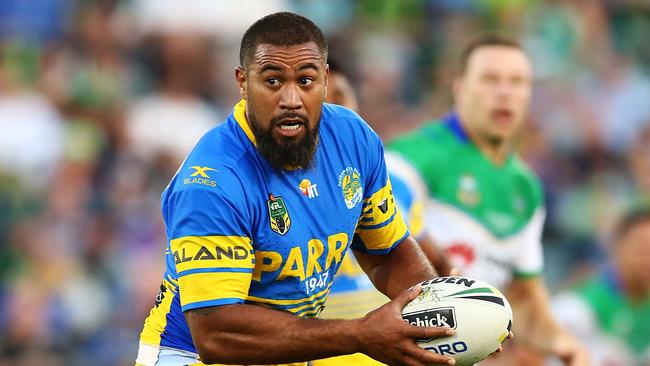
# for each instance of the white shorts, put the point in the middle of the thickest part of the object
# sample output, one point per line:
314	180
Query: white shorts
149	355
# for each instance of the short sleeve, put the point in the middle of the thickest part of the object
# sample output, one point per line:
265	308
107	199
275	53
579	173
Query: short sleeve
381	226
409	191
209	239
529	260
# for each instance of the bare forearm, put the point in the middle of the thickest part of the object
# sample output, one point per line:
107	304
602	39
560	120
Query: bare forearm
533	321
250	334
403	267
535	325
436	256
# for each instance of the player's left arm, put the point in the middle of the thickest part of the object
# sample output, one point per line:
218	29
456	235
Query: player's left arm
402	267
534	323
382	244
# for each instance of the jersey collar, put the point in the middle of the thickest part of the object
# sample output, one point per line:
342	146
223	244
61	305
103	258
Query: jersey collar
240	117
452	121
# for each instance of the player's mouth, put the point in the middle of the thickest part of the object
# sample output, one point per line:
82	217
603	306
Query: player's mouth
290	127
502	115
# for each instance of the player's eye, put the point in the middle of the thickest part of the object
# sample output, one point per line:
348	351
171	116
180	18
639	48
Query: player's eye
517	80
490	79
273	82
306	81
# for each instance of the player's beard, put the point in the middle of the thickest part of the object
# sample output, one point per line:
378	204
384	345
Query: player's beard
286	154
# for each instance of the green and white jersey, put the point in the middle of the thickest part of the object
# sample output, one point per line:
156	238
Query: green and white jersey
487	218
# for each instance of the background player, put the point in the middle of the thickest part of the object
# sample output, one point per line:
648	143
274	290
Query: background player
486	207
352	294
609	310
251	257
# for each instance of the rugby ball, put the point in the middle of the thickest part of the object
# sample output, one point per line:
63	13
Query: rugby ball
478	312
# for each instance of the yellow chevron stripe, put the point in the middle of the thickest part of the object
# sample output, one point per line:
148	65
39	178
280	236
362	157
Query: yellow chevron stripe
287	302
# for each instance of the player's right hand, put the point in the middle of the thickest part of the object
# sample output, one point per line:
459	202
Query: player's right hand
385	337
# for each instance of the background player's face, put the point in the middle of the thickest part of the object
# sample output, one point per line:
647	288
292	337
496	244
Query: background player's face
285	87
493	94
339	91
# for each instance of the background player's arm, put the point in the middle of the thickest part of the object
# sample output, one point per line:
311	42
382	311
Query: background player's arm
533	321
251	334
535	324
401	268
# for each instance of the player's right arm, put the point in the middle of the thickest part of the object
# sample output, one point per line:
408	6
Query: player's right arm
251	334
205	221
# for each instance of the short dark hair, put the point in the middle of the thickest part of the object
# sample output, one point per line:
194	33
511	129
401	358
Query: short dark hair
280	29
635	216
486	40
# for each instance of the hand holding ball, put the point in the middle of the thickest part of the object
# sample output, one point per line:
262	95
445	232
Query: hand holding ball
478	312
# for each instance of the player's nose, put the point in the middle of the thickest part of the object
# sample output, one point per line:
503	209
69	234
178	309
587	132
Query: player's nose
290	97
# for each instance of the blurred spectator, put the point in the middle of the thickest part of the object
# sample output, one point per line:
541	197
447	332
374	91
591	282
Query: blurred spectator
31	130
228	19
34	20
639	160
610	311
100	99
166	125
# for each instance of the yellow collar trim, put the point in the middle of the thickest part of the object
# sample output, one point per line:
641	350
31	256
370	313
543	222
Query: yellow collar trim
240	117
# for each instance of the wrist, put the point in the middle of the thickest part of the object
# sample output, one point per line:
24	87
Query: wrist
355	330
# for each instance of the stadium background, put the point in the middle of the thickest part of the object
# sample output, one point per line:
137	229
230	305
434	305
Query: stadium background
100	101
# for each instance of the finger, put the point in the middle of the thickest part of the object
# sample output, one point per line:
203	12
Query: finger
415	331
511	335
428	358
408	295
428	332
578	358
454	272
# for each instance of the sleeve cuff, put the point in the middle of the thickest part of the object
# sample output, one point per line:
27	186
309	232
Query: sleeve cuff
210	303
526	274
357	244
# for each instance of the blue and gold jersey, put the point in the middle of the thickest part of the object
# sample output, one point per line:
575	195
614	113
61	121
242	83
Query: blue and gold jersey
241	232
352	294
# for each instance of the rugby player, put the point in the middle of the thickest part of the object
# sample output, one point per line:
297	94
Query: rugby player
486	206
261	213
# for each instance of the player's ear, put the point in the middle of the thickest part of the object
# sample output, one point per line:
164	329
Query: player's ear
242	82
327	75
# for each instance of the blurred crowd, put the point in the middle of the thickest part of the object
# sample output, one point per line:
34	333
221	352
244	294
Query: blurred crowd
100	100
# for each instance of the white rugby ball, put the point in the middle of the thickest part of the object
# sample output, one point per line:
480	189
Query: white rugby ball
480	315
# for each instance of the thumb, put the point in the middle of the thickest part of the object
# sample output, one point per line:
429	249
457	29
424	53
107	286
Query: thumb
408	295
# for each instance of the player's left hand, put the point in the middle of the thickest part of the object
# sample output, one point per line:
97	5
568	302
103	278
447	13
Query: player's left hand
570	351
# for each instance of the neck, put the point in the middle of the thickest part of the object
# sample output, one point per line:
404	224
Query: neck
636	289
496	150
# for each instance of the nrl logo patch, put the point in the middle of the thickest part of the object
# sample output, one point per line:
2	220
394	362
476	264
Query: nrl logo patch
278	215
468	192
350	183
